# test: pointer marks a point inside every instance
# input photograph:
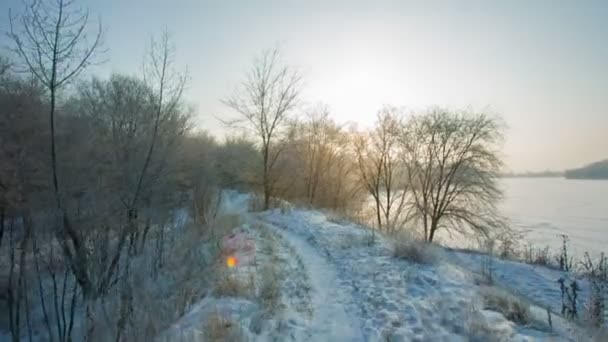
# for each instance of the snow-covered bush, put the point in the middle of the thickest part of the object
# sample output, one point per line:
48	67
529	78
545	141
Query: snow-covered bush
172	273
512	307
487	262
478	329
597	273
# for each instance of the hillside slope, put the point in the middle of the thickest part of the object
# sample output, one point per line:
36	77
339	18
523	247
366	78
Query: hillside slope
597	170
333	283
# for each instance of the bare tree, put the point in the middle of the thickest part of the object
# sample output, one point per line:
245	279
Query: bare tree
138	122
317	162
317	150
51	37
237	163
197	173
167	86
380	169
264	102
4	67
452	162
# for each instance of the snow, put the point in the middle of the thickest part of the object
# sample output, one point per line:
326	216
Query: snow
233	202
545	208
330	321
539	284
390	299
191	326
336	285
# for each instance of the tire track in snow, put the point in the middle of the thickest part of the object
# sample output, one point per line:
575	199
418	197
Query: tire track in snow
330	321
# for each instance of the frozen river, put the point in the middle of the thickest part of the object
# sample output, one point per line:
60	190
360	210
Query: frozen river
548	207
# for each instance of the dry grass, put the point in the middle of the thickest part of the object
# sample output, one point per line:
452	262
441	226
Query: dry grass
229	284
538	256
270	289
513	308
221	328
346	216
600	334
337	217
414	250
256	203
189	258
478	330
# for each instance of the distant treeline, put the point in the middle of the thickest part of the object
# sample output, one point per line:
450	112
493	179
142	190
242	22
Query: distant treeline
597	170
541	174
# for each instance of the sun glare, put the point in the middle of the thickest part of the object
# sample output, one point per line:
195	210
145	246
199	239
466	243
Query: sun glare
231	261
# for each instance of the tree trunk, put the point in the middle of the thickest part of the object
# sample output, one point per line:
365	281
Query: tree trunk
433	229
378	217
132	229
265	178
89	305
144	235
426	227
53	149
2	217
72	311
13	306
41	295
126	306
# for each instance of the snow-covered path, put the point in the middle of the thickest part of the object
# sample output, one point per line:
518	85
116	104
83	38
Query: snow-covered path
368	295
330	321
336	284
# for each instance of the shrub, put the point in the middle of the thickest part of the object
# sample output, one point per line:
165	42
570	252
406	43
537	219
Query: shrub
487	262
537	256
256	203
414	250
508	242
597	273
565	263
169	275
513	308
222	328
270	290
337	217
229	284
478	329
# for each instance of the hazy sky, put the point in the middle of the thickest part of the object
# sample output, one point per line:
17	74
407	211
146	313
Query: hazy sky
542	64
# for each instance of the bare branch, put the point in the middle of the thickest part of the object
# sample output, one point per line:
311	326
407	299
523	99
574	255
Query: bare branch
263	104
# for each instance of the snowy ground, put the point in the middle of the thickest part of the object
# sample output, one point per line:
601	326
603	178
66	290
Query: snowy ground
336	285
393	299
539	284
330	320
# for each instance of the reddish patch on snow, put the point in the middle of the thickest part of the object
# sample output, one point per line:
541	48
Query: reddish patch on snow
238	249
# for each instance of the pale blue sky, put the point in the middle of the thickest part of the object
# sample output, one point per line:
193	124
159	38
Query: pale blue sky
542	64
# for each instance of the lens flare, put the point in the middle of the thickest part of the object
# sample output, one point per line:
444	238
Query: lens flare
231	262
